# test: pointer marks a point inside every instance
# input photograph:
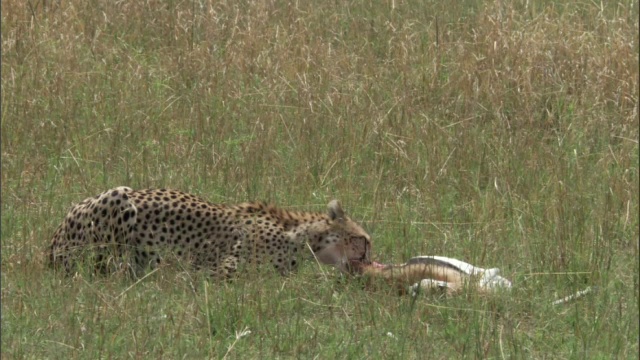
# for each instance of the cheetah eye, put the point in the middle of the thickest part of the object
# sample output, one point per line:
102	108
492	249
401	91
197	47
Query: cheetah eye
359	240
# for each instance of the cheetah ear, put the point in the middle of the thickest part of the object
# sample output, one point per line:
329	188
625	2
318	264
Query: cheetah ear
335	210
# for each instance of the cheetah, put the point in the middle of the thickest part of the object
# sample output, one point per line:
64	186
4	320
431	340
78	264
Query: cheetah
139	228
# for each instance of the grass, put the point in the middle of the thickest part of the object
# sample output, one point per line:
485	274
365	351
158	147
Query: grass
503	134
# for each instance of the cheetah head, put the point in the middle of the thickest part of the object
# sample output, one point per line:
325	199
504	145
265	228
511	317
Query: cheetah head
339	241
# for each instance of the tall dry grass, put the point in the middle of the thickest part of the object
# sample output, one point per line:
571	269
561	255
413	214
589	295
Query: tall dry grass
501	133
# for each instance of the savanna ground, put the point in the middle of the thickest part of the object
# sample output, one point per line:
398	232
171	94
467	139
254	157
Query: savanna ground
501	133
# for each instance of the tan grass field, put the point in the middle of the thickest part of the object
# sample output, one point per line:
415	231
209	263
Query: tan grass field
501	133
